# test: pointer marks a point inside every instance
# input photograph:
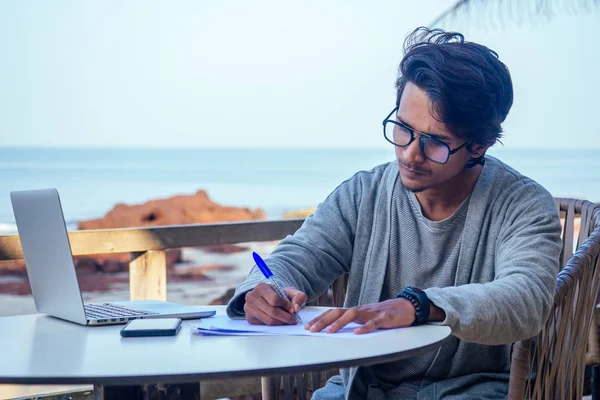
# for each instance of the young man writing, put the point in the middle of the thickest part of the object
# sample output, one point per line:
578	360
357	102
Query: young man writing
470	241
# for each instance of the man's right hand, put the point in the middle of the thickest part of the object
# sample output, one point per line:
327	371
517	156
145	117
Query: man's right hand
265	307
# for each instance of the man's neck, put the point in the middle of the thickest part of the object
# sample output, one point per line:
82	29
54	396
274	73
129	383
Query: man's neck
440	202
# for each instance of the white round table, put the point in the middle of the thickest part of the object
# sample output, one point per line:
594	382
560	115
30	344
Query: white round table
37	349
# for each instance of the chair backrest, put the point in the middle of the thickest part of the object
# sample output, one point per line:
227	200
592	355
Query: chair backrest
551	365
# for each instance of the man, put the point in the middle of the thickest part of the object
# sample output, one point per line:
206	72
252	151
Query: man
446	235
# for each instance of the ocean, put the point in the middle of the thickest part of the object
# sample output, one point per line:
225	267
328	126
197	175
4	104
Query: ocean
91	181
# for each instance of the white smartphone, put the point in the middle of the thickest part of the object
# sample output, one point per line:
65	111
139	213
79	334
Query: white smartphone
152	327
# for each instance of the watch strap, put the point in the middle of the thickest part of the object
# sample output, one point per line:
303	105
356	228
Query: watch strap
419	300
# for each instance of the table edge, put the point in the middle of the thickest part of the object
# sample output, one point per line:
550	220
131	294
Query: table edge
195	377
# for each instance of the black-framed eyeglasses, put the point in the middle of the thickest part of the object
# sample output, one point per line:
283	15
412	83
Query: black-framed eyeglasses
402	135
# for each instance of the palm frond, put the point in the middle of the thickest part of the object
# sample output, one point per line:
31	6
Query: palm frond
494	11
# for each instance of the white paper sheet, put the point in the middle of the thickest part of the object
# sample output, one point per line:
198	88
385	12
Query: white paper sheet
223	325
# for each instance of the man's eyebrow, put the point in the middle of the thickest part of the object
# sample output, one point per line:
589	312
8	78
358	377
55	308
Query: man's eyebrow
437	136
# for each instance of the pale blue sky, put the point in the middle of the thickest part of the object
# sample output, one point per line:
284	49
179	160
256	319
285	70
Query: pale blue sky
263	73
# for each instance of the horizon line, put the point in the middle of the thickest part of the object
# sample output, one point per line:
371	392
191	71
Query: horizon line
267	147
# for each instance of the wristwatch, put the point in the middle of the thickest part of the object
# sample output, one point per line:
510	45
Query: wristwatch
419	300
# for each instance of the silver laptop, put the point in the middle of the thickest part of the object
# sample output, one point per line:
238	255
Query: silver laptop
51	270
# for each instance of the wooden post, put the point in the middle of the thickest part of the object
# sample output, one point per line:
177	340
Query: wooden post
148	275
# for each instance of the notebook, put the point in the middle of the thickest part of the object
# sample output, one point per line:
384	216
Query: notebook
224	326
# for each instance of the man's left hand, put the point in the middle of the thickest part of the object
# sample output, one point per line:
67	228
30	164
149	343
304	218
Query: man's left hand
389	314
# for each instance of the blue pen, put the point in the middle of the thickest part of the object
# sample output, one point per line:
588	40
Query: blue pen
262	265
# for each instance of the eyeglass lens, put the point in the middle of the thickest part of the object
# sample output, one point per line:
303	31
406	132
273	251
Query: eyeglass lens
433	149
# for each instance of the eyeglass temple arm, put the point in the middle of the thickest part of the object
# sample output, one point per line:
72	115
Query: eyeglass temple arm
390	114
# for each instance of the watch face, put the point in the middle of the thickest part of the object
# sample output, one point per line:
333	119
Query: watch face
414	289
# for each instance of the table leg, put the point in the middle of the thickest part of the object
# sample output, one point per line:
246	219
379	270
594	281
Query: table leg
595	382
182	391
98	392
270	387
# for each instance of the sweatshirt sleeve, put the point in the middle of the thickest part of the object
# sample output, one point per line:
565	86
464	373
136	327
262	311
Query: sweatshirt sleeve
318	253
516	304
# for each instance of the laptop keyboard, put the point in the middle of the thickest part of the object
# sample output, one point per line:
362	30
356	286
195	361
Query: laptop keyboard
109	310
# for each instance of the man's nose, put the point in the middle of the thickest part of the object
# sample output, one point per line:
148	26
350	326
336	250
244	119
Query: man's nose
412	153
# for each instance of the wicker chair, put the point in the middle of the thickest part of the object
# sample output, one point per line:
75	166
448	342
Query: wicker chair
560	351
552	365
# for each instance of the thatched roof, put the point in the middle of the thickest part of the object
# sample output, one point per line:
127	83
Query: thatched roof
491	12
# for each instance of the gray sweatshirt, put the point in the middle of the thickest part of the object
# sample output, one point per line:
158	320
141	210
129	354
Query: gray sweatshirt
505	273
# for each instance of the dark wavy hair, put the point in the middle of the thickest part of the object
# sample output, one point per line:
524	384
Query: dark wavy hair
469	87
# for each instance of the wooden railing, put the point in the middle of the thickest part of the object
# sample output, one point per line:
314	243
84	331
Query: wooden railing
147	246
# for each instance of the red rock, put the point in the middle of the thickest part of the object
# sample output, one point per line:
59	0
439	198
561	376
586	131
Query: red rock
198	273
188	274
224	299
18	288
100	282
225	248
112	266
215	267
13	267
117	262
86	265
177	210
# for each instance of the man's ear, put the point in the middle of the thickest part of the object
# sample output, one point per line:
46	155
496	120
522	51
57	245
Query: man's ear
477	150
